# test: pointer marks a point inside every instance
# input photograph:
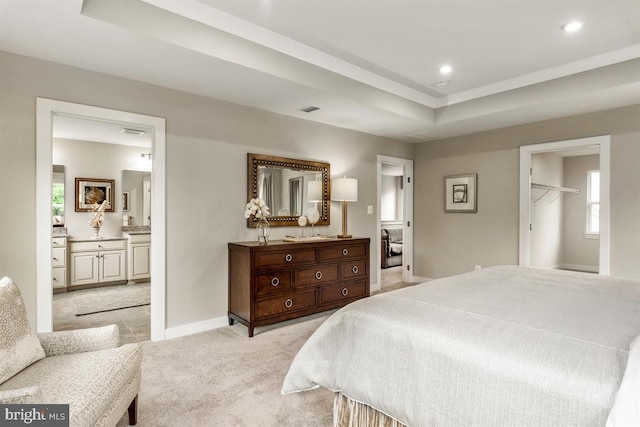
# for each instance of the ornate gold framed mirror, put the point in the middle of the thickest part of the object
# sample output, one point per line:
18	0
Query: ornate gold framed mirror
289	187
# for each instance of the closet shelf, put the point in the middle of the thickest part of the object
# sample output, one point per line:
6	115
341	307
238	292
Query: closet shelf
548	188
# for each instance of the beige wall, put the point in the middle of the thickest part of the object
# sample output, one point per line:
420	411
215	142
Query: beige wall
447	244
546	213
207	142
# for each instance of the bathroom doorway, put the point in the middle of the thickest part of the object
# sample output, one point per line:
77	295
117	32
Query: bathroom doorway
46	111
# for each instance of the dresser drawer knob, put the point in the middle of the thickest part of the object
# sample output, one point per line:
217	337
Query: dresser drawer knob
345	252
288	257
355	269
55	279
275	281
318	275
55	259
288	303
345	292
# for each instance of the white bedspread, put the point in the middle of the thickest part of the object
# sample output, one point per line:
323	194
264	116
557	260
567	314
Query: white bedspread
501	346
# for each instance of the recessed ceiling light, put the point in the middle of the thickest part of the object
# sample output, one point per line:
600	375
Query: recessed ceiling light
446	69
572	27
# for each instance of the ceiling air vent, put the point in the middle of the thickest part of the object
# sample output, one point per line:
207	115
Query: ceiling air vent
130	131
309	108
422	136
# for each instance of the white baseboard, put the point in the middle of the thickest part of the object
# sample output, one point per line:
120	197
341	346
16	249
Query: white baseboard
194	328
577	267
419	279
375	287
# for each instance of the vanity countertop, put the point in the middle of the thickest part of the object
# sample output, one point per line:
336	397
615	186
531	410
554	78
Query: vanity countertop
89	239
133	233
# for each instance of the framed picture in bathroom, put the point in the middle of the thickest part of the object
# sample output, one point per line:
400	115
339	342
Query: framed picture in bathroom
92	191
125	201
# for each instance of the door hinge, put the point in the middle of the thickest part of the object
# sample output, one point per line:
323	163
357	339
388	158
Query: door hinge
530	227
408	223
408	180
408	267
530	171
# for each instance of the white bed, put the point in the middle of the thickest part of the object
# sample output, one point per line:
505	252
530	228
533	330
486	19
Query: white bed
501	346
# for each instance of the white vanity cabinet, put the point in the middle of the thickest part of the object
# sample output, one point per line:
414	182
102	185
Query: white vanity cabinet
59	263
95	262
139	257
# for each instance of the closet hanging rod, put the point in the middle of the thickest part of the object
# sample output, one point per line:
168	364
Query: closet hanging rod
548	188
554	188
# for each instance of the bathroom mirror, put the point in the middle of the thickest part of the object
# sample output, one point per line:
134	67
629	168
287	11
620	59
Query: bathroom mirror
288	187
136	197
58	196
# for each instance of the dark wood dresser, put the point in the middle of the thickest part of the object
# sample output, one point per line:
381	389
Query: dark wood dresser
284	280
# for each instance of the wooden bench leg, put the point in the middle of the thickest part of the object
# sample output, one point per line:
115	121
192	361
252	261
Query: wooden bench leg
133	411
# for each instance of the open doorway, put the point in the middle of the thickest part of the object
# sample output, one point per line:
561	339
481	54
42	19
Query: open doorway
564	205
395	219
47	110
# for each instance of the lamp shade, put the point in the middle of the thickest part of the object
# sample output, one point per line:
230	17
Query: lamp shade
314	191
344	189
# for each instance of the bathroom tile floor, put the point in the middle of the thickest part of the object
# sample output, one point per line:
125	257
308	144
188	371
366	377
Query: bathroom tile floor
134	323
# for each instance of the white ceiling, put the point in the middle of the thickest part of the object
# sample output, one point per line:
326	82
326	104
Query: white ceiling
369	65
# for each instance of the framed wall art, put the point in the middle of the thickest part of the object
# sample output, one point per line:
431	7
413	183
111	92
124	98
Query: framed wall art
460	193
90	191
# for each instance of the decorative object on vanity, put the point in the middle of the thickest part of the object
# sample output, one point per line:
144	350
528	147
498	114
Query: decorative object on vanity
460	193
313	216
281	281
97	218
90	191
284	183
344	190
257	211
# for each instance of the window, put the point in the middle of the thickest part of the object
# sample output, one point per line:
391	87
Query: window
593	203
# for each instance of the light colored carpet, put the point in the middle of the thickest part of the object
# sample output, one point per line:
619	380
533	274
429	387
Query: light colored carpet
224	378
134	295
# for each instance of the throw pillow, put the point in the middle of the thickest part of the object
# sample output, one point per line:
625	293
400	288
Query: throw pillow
395	235
19	347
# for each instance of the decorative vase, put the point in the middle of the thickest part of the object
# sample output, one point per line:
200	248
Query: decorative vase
263	228
96	232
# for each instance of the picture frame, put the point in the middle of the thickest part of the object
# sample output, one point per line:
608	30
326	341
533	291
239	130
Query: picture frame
94	190
125	201
461	193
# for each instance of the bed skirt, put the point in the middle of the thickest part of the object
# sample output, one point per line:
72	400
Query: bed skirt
349	413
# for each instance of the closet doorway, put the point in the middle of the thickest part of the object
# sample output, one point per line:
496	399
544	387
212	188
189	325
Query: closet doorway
564	205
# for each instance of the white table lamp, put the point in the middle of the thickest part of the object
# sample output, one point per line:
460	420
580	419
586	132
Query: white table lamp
344	190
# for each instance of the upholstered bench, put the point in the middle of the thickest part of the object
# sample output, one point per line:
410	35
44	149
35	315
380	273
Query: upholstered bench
83	368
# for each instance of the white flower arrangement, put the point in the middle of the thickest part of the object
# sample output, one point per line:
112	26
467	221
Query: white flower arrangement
256	208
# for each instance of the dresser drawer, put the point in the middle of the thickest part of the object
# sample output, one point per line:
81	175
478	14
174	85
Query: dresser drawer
316	275
354	269
58	257
272	282
341	292
342	252
97	246
293	257
291	301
